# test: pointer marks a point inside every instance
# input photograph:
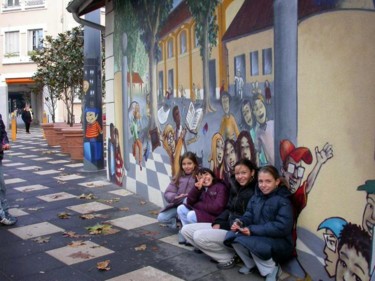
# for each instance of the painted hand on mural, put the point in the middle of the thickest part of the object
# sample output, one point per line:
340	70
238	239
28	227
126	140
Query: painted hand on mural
323	155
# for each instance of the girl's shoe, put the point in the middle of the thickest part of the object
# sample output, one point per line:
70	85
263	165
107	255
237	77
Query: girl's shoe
181	239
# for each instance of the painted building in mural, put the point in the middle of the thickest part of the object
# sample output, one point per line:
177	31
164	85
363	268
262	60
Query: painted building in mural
225	106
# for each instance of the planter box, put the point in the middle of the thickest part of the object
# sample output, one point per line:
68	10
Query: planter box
50	132
74	142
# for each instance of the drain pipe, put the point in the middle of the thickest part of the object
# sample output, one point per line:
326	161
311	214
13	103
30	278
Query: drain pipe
76	5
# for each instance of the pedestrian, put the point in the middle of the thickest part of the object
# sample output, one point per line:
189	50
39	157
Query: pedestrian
5	217
178	189
205	201
27	118
262	237
209	237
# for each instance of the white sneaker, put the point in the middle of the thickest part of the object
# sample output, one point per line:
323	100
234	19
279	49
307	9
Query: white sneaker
274	274
8	220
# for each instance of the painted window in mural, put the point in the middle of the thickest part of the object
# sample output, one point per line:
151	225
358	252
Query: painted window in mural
170	83
161	85
183	42
254	63
170	48
267	61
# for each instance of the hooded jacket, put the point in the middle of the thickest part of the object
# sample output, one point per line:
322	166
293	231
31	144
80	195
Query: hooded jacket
270	221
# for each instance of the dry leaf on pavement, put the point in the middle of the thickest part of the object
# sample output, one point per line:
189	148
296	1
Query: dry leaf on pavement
103	265
141	247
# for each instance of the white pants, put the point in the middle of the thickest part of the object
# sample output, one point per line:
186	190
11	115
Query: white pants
208	240
265	267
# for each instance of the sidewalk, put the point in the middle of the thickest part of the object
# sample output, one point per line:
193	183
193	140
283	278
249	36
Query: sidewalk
56	200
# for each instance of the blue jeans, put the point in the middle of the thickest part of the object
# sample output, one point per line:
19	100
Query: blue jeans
3	202
168	217
186	215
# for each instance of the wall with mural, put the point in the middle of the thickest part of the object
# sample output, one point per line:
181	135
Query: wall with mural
218	101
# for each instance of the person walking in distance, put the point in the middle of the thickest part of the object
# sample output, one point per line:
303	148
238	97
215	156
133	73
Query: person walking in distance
27	118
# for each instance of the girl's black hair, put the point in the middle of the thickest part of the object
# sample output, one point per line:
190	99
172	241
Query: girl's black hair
203	171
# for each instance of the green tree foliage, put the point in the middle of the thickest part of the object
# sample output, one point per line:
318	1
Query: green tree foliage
60	68
151	14
206	30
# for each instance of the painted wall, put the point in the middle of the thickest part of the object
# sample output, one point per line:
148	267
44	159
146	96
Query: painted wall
335	125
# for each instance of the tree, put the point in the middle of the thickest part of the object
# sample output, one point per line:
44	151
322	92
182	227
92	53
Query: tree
151	14
60	68
44	78
206	30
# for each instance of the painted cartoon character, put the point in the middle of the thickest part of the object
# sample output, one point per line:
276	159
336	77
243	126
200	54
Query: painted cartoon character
119	162
172	147
135	131
217	155
230	158
265	130
267	91
368	219
333	227
245	146
354	254
238	84
293	172
228	127
93	149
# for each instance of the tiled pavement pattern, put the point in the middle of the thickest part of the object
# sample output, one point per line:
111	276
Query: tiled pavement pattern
51	242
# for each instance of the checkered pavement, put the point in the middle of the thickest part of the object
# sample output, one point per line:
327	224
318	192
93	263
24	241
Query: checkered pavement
51	195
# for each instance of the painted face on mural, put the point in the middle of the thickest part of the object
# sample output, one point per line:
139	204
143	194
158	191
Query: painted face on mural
247	116
219	151
330	250
91	117
260	111
352	266
368	221
177	117
225	104
230	156
245	148
293	174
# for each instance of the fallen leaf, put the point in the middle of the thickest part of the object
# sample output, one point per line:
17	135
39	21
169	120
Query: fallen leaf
20	199
72	234
87	216
75	244
105	229
103	265
109	201
61	169
155	212
124	209
56	196
64	215
42	239
35	209
80	255
89	184
89	196
61	182
142	202
141	247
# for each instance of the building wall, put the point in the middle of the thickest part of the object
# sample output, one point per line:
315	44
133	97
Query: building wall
335	104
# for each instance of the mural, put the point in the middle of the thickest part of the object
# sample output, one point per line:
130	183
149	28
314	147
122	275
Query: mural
208	91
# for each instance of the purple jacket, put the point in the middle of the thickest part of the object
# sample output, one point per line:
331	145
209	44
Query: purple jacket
208	204
186	183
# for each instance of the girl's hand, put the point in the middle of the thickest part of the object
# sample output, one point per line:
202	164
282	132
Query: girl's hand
216	226
245	231
235	227
199	182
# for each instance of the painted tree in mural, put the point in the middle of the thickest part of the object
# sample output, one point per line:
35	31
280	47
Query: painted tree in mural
151	15
60	68
206	30
129	25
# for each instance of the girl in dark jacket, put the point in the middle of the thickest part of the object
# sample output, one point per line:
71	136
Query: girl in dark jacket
209	237
205	201
263	235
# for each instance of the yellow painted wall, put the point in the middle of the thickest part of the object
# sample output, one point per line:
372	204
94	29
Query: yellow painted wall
336	67
245	45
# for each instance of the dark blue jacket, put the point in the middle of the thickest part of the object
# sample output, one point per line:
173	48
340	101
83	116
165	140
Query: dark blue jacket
3	137
270	220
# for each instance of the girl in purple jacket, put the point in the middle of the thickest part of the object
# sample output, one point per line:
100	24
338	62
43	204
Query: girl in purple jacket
178	189
205	201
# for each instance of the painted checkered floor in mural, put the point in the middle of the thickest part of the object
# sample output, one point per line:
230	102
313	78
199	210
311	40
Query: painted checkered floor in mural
71	220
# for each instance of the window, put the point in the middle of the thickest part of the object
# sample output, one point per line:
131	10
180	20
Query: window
183	42
34	39
12	3
12	44
254	63
170	48
267	61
